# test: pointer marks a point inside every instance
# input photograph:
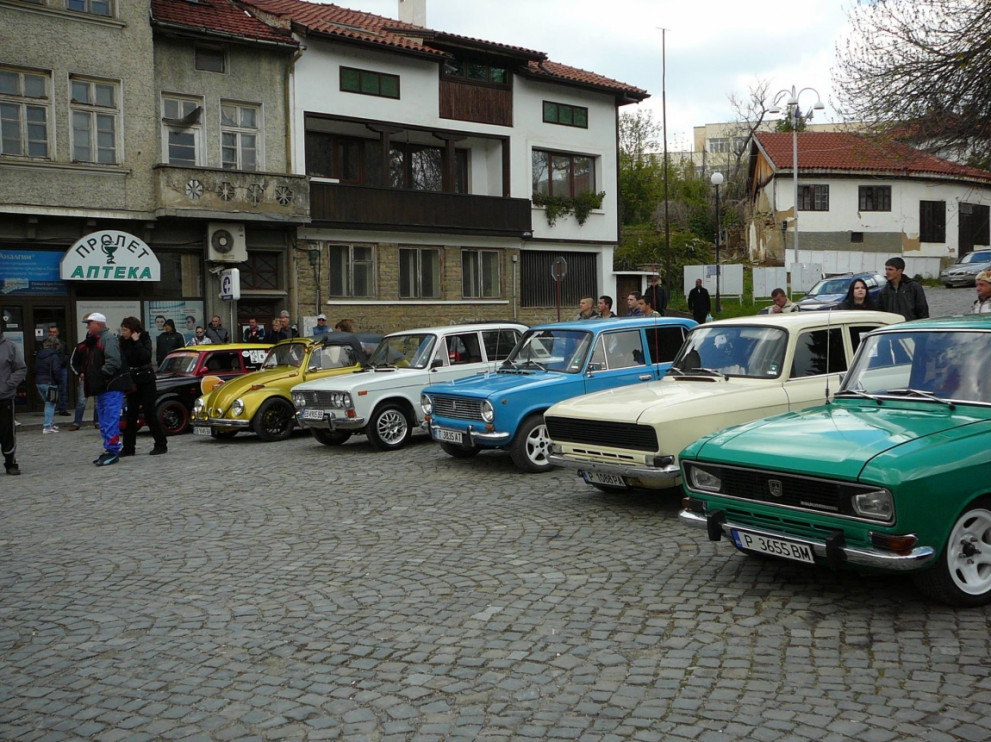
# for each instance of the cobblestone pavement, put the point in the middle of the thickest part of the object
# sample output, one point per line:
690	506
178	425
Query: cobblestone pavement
240	590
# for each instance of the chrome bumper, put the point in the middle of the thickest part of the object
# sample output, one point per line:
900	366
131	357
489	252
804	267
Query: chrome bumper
649	476
834	554
331	422
471	435
220	422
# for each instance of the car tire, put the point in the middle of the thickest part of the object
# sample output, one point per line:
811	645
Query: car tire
223	435
173	417
331	437
389	428
962	576
531	445
459	452
274	420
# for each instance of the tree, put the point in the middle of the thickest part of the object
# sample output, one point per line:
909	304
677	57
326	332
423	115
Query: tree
921	69
641	171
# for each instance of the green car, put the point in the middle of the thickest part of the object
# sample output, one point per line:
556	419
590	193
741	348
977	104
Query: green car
893	475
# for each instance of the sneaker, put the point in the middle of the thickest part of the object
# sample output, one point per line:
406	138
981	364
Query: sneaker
73	427
46	431
107	458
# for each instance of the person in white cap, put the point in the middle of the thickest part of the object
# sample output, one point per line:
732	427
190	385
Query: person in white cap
105	377
321	328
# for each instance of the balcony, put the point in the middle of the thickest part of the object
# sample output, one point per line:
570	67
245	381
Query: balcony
363	207
209	193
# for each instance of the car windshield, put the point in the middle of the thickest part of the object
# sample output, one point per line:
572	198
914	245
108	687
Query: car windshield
552	350
179	363
949	365
977	257
831	286
404	351
290	354
733	350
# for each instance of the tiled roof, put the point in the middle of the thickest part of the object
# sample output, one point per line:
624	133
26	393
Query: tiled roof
843	151
217	16
364	27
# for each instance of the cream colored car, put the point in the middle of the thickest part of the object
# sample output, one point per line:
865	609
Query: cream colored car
727	372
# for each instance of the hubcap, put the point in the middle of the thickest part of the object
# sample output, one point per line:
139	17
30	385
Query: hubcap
537	445
391	426
968	557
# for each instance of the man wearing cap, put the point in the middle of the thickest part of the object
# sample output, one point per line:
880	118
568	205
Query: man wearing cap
321	328
106	377
12	373
982	304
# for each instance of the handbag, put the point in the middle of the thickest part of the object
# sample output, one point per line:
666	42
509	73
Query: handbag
52	394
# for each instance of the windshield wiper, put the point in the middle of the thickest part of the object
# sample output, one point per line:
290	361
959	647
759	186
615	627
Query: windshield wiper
676	371
909	392
707	371
529	363
859	393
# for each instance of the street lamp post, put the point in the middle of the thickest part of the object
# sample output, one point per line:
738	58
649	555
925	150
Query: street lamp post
794	112
717	180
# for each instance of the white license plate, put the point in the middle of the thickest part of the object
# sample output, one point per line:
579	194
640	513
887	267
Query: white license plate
778	547
594	477
313	414
448	436
200	430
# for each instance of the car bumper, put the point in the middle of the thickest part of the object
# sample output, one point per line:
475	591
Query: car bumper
833	553
329	421
470	436
951	281
651	477
220	422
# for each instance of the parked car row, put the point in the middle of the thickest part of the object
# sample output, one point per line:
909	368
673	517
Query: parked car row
845	440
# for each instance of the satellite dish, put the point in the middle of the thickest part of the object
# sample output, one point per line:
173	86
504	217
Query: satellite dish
222	241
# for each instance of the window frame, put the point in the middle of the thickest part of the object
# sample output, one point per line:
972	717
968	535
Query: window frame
475	281
86	6
208	51
24	102
93	111
548	156
573	114
264	270
874	198
346	287
932	221
412	286
813	197
461	71
196	129
365	78
240	132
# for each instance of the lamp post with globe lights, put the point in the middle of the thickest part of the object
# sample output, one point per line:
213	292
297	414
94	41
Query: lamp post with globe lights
794	114
717	180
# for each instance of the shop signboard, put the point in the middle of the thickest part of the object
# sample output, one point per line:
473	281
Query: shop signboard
31	273
110	255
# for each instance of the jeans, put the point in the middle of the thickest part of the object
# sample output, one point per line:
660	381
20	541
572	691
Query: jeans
81	405
49	406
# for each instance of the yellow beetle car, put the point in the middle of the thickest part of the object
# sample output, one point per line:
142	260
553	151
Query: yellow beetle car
262	401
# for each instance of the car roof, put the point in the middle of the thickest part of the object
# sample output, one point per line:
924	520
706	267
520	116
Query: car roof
980	322
220	346
799	320
469	327
611	323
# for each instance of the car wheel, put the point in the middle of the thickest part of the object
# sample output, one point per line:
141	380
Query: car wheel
274	420
331	437
458	452
389	428
531	445
173	417
962	576
223	435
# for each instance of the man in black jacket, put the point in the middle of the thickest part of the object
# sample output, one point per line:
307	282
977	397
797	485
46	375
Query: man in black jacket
167	342
698	302
657	294
901	295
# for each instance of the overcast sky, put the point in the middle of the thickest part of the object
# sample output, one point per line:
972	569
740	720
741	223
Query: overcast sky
714	48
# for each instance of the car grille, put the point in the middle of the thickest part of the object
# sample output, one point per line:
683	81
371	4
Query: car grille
316	398
789	490
457	408
602	433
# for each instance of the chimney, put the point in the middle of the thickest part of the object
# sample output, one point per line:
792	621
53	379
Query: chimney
413	11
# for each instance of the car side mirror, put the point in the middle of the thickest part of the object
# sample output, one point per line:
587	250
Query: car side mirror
436	363
592	367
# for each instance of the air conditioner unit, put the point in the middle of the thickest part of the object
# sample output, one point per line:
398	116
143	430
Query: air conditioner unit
225	243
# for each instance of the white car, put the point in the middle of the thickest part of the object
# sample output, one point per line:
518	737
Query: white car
383	401
727	372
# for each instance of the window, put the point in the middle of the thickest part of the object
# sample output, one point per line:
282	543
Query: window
565	115
562	174
480	274
95	110
239	124
352	271
619	350
664	343
419	273
94	7
211	59
819	352
367	82
182	130
537	285
932	221
475	72
463	348
262	271
874	198
421	168
813	198
718	145
24	105
498	343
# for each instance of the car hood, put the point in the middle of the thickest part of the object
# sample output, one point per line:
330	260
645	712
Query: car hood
367	378
240	384
832	441
822	299
494	383
657	401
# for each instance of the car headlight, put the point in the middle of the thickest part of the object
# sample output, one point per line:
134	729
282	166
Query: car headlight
298	400
198	406
876	505
426	405
488	414
238	407
703	479
340	399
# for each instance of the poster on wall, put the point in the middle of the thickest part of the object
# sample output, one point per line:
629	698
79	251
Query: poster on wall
186	315
114	311
31	272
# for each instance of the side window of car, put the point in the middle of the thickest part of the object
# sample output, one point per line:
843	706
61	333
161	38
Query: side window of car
598	360
664	343
819	352
498	343
857	332
624	349
222	362
463	348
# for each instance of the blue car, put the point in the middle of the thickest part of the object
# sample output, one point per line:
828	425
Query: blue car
504	409
831	291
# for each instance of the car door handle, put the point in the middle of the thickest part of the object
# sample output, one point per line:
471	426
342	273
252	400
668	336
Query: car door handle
645	377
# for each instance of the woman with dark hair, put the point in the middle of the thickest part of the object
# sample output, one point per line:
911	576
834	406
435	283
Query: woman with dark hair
858	296
135	344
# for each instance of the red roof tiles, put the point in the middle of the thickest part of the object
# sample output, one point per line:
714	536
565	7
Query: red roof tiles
844	151
217	16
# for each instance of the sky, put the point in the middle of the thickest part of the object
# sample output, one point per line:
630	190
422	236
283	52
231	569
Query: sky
713	48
